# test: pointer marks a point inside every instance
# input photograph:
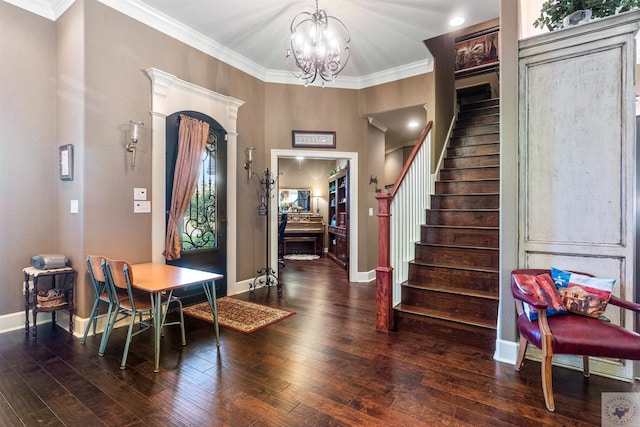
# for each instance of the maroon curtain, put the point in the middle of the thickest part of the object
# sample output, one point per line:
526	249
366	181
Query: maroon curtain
192	139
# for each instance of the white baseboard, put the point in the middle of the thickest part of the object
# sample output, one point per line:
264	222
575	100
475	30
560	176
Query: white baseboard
15	321
239	287
506	351
365	277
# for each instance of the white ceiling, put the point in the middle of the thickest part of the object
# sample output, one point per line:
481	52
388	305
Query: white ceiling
386	36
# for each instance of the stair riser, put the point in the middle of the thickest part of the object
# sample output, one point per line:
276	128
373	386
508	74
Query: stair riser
478	121
463	187
472	106
472	173
454	277
476	130
466	218
446	331
466	162
486	259
460	307
485	238
490	138
490	201
466	115
474	150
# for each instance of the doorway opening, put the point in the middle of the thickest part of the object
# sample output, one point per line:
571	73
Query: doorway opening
352	157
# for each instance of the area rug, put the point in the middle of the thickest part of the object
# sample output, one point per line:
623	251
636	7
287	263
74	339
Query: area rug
241	316
301	257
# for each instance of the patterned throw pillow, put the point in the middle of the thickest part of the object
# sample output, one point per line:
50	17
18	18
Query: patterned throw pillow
542	286
582	294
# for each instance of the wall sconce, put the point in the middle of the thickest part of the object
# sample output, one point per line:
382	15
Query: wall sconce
135	135
248	155
374	180
317	193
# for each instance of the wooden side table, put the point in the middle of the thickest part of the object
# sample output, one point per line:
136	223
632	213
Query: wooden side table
62	279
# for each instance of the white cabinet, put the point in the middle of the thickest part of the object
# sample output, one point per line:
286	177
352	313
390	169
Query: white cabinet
577	156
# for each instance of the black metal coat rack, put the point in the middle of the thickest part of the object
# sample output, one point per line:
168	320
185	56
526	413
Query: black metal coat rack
267	275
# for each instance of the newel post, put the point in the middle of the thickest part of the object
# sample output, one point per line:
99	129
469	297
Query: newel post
384	271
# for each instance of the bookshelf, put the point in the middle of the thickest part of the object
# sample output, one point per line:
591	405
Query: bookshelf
338	217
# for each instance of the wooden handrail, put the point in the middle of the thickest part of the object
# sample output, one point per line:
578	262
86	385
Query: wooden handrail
409	161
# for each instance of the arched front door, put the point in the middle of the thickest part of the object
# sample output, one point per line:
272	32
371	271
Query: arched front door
204	237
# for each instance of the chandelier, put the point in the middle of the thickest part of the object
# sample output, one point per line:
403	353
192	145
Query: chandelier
318	46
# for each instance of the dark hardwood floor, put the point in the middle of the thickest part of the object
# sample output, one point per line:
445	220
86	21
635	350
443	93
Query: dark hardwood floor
324	366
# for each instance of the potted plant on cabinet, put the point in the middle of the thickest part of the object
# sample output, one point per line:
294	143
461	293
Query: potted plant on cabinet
553	12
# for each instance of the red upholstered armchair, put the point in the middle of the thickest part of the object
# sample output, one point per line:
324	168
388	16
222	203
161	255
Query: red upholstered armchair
570	334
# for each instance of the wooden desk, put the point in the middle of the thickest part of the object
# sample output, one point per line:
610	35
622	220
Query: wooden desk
158	278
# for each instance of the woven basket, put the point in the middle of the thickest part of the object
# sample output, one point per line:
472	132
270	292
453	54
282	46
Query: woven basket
50	299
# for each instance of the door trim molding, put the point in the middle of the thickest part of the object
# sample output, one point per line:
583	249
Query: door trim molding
353	206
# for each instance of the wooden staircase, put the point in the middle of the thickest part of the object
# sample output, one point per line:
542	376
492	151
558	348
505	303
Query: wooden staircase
452	289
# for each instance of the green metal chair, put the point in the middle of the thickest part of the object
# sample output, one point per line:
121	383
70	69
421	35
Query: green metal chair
130	303
100	292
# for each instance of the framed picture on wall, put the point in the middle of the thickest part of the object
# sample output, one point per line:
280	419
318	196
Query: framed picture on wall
313	139
477	52
65	162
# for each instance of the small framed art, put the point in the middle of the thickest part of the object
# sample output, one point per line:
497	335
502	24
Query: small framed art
65	162
313	139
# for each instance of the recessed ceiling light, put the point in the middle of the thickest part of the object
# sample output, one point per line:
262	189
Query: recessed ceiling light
413	124
457	21
299	158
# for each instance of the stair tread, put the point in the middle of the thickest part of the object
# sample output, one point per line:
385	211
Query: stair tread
468	156
463	210
443	245
473	136
445	315
462	227
469	167
454	290
465	194
468	180
495	116
477	145
454	267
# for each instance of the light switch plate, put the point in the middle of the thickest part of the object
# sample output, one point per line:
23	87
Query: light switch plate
74	207
141	206
139	194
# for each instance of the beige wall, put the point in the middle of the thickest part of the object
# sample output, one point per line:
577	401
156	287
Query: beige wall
375	165
393	164
28	151
442	49
312	108
87	77
508	166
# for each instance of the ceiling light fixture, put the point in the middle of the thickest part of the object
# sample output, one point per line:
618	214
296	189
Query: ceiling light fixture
318	46
413	124
457	21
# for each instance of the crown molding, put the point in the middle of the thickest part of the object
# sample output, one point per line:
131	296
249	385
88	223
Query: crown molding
50	9
53	9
